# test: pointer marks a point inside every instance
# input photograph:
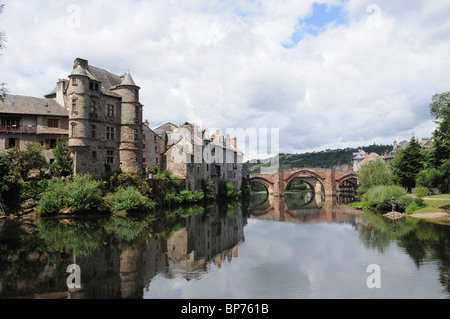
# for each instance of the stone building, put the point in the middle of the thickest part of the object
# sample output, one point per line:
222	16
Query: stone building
105	119
153	146
195	155
25	120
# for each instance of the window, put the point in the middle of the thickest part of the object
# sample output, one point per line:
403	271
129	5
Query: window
136	135
50	144
94	131
94	156
74	104
53	123
109	157
110	133
74	130
11	143
74	82
110	109
93	110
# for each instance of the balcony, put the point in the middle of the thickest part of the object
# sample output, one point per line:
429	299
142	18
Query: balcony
30	129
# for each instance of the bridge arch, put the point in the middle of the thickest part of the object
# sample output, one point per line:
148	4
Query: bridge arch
311	178
351	178
265	182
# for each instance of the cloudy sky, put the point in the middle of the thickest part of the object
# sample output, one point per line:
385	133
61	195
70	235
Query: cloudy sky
327	74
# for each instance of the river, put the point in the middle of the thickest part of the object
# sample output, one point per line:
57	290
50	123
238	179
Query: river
299	247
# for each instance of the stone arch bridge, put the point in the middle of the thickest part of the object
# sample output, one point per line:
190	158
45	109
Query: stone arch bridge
318	179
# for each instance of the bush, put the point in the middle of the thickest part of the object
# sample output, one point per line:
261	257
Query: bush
53	200
381	196
189	197
34	189
130	199
84	194
420	193
226	190
429	178
412	208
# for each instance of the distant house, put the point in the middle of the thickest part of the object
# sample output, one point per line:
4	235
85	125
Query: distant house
363	158
194	155
25	120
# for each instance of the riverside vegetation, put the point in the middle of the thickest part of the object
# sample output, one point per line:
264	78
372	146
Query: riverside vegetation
29	184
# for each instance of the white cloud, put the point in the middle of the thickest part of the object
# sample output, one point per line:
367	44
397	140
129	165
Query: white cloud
223	64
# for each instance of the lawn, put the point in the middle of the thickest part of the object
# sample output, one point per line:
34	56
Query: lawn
435	204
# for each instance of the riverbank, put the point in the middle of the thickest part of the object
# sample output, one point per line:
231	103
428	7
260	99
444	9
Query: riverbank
436	208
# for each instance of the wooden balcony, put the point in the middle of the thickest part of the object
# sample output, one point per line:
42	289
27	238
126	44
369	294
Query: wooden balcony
30	129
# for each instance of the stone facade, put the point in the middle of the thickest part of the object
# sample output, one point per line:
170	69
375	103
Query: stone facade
153	147
101	115
195	155
105	120
25	120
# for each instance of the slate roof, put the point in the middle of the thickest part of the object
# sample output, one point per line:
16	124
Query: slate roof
108	80
27	105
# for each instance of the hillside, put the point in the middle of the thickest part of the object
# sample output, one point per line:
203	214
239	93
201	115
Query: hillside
323	159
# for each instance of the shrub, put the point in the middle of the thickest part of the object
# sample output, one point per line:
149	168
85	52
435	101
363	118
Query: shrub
208	190
226	190
34	189
189	197
381	196
53	200
420	193
130	199
83	194
412	208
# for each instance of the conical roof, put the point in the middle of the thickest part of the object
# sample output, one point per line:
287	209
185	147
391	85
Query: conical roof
128	80
79	71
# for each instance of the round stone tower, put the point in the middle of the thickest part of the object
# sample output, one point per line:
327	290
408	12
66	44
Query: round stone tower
130	149
77	100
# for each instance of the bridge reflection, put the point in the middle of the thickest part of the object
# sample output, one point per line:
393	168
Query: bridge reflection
301	208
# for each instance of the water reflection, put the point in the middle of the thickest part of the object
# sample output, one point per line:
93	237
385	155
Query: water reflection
290	248
300	207
118	255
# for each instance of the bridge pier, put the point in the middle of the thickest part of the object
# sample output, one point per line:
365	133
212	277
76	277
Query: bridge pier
316	177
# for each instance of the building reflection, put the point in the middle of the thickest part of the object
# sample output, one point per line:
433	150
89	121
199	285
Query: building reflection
305	208
119	269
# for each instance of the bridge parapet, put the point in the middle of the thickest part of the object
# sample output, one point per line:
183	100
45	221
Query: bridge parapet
329	179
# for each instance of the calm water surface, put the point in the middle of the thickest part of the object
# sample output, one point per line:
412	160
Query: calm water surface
294	248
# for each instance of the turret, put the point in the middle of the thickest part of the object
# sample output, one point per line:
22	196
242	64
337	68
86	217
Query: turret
131	125
77	99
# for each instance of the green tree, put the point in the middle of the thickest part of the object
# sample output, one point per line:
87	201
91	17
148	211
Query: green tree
63	164
440	109
440	106
8	184
25	161
407	164
373	174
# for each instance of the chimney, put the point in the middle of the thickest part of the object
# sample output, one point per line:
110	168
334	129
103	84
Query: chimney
81	62
60	93
395	145
235	142
367	158
146	123
385	154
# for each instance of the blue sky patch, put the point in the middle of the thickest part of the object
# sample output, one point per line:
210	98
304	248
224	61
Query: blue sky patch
315	24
